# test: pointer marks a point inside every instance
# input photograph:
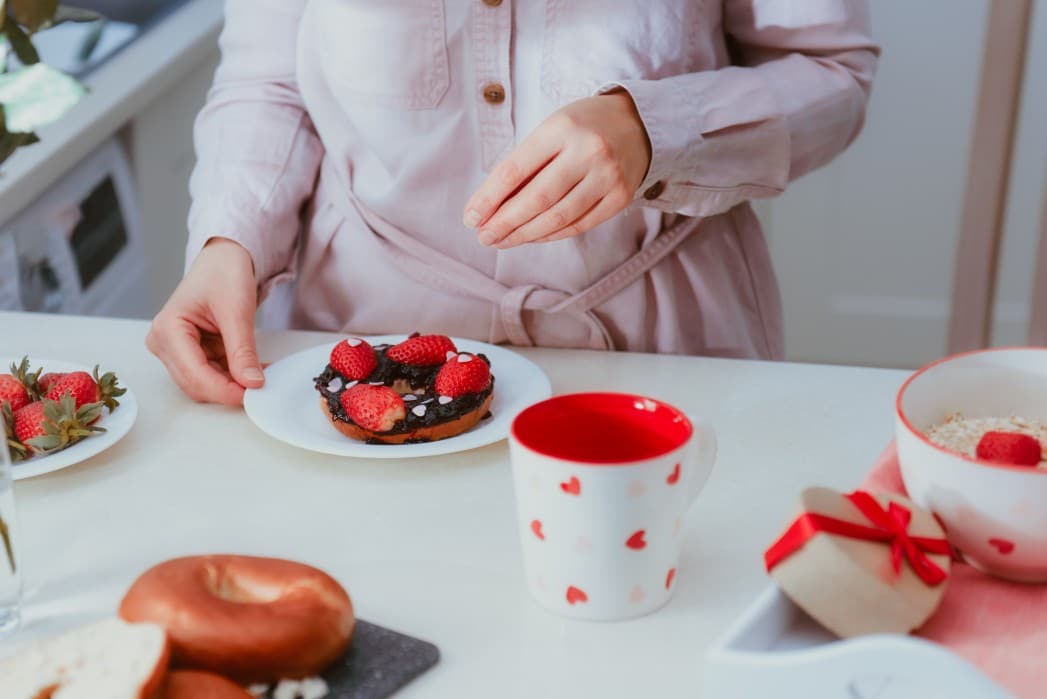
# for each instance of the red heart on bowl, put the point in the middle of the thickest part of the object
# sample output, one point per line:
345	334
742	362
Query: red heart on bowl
576	596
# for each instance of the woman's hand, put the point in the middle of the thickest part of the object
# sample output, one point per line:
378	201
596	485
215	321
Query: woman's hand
579	168
204	335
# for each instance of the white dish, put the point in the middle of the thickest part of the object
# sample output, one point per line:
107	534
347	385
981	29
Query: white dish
116	424
288	406
776	650
995	514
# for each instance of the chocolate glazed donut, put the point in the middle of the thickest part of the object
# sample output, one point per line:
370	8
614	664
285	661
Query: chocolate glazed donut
428	415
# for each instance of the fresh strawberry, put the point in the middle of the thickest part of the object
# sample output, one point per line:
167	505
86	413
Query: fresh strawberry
20	386
422	350
85	388
48	425
462	374
13	392
1012	448
354	359
79	384
45	382
375	408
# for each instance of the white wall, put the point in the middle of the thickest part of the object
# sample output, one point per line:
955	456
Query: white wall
864	248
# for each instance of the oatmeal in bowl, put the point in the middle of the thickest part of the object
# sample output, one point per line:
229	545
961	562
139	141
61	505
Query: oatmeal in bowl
971	432
1009	440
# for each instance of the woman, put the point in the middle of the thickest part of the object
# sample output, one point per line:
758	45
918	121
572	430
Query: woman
569	173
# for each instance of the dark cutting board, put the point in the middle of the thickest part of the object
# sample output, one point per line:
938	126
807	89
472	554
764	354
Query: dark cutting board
378	663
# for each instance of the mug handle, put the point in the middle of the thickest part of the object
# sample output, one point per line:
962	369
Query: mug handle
701	455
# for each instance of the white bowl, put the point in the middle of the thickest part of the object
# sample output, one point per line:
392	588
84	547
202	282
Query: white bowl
995	514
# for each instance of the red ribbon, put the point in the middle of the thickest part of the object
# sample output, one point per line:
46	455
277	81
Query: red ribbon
890	525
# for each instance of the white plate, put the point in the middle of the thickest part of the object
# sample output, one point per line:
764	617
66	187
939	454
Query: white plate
287	407
116	425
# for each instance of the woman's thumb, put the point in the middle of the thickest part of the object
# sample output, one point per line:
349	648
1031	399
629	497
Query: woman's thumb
237	330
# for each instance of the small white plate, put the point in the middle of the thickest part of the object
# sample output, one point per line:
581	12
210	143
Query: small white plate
116	425
288	406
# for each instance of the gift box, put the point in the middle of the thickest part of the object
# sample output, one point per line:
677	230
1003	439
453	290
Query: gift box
860	563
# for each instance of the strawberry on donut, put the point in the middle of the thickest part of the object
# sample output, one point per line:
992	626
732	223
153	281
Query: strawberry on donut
419	390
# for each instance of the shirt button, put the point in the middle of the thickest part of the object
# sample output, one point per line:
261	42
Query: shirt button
492	3
494	93
654	191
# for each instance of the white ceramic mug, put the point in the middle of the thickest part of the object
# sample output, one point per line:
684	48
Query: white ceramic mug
602	482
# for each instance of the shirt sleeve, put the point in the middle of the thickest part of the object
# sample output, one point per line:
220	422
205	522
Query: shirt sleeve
794	98
257	152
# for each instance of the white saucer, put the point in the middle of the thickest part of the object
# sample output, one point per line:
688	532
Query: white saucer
288	408
116	424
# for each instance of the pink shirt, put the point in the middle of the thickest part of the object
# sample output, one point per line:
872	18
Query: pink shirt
342	139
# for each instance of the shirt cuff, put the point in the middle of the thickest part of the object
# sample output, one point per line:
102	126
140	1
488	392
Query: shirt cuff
209	222
717	138
663	154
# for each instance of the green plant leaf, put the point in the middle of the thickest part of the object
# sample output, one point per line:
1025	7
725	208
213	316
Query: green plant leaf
74	14
10	142
35	96
33	14
21	44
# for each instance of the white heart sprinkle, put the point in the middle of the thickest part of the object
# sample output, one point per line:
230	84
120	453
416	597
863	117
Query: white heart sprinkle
410	396
419	410
354	342
377	383
463	358
444	400
334	384
427	400
450	355
351	384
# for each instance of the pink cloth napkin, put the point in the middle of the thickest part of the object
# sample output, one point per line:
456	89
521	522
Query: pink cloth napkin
1000	627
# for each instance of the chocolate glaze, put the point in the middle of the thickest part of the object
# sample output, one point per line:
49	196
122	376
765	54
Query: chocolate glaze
421	379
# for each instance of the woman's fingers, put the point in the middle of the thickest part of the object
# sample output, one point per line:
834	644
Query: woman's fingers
176	341
559	216
509	175
604	210
538	196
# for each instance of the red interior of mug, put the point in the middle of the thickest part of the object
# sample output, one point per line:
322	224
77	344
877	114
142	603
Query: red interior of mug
602	428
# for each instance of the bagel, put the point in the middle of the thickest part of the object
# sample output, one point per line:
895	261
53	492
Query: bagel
247	618
194	684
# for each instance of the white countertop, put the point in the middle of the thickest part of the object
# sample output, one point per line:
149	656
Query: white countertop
429	547
117	91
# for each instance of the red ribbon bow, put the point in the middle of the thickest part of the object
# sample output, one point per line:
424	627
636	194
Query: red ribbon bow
890	525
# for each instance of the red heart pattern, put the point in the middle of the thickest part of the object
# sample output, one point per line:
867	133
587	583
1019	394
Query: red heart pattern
576	596
637	540
572	487
1004	546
